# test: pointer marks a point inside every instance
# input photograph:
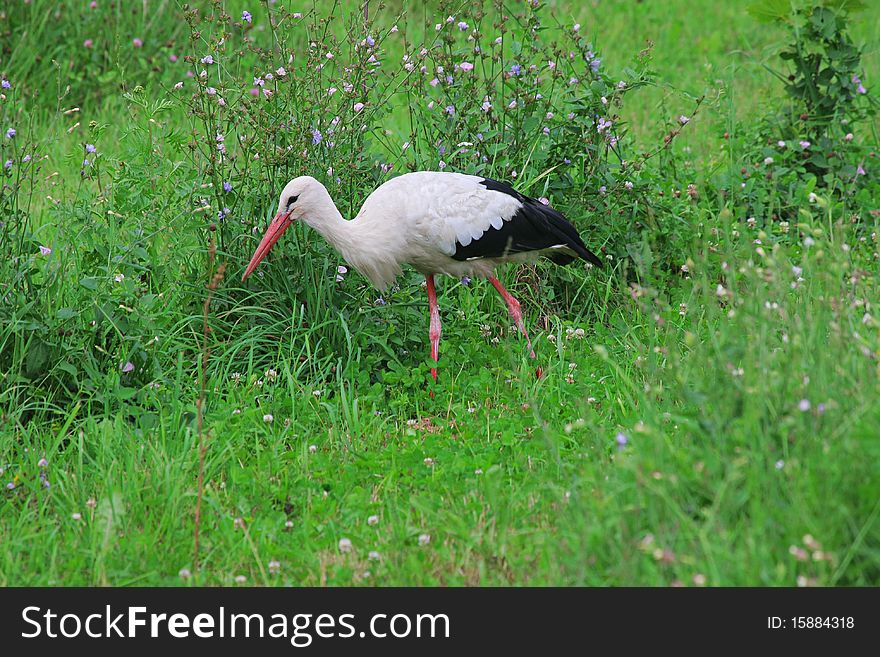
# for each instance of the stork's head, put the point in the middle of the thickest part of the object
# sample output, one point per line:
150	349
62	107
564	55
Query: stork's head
300	197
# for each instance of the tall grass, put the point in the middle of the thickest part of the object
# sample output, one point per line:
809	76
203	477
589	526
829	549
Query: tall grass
707	411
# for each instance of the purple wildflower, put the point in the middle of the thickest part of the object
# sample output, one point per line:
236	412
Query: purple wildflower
246	16
450	110
465	280
594	65
316	137
90	148
804	144
223	214
227	186
5	84
860	88
10	133
45	250
516	69
127	367
7	164
621	440
463	26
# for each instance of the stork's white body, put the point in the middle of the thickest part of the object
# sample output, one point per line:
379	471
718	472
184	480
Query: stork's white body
432	212
439	223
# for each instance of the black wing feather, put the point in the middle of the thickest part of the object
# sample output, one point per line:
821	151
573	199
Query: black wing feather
534	227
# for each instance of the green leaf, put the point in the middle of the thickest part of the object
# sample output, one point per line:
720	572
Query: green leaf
67	367
90	283
846	5
67	313
770	10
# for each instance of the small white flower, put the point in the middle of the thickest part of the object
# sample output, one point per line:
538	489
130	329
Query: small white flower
344	545
240	579
313	449
373	520
268	417
373	555
424	539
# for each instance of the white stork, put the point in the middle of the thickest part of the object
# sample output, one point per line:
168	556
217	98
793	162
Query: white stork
439	223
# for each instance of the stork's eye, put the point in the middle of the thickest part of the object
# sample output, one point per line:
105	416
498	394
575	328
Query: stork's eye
292	200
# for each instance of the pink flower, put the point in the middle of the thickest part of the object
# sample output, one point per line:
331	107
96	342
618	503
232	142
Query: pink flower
466	66
128	367
137	43
358	107
88	43
172	58
93	5
45	250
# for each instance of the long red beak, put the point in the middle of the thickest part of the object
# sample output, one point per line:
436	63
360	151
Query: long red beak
276	229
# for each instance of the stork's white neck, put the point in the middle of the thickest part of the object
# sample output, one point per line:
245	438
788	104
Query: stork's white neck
361	246
325	218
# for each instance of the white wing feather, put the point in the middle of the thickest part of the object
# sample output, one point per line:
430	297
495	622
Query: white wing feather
433	211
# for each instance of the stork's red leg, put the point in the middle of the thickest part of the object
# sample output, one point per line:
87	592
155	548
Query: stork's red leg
435	324
515	311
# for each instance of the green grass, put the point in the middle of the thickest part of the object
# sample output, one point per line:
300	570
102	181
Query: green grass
727	476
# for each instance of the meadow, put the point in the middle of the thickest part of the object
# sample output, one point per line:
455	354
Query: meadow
708	412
